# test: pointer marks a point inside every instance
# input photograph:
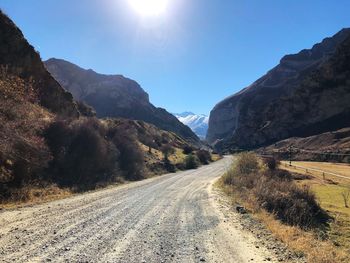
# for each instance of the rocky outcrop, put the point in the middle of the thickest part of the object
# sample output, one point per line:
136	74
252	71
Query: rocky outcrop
18	58
115	96
307	93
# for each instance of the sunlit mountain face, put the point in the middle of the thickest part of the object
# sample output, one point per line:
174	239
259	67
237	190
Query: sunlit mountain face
197	122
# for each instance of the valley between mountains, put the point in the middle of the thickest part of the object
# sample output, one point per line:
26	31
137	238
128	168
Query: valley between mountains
92	171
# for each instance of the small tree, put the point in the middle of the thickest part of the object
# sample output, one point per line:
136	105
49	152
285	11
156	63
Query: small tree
203	156
187	149
167	149
191	162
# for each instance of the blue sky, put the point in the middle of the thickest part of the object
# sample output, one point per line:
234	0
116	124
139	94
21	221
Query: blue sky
188	58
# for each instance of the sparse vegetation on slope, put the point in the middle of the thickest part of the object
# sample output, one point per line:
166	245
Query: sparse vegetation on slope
49	141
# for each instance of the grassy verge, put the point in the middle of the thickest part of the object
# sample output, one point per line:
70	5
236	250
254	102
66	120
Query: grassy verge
34	194
311	240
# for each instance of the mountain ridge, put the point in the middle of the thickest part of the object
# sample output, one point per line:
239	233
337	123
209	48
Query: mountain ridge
19	58
242	120
115	96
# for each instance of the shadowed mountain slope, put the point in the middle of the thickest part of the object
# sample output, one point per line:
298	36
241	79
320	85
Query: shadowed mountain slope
306	94
115	96
18	58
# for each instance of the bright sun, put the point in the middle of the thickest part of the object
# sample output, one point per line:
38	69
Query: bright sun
149	7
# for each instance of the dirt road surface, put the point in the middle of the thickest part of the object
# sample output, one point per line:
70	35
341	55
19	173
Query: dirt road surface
171	218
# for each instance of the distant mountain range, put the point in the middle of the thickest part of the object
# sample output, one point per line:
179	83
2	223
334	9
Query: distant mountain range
197	122
115	96
305	94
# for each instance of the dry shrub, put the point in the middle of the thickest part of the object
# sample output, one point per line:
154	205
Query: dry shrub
274	191
204	156
271	162
24	154
85	109
167	150
190	162
243	173
131	158
82	155
289	203
279	174
247	163
187	149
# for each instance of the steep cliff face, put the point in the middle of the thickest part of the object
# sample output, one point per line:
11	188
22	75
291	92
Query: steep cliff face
18	58
115	96
306	94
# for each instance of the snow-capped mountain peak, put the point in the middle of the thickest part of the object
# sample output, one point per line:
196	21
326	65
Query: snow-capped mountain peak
197	122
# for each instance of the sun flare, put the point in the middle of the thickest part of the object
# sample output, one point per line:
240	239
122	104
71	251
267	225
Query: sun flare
149	7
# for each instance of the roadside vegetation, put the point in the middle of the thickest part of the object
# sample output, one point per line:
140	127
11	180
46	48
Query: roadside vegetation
45	157
333	194
290	210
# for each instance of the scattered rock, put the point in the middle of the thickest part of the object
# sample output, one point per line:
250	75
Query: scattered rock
241	209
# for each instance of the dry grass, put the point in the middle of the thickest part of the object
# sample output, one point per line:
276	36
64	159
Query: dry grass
303	243
32	194
178	156
316	245
337	168
329	195
216	157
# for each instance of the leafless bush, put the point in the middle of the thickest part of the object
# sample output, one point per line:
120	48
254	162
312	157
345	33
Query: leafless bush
167	149
82	155
274	191
291	204
187	149
243	172
131	159
279	174
203	156
271	162
247	163
85	109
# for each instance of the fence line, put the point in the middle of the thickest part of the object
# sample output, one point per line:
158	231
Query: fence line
317	170
294	149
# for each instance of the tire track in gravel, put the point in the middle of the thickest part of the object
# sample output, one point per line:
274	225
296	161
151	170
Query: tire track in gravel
171	218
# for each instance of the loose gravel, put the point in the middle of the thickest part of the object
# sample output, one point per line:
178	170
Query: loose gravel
171	218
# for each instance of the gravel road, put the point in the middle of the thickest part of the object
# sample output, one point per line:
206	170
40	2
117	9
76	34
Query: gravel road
171	218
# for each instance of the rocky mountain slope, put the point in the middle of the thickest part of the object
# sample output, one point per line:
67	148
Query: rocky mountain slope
18	57
45	141
197	122
115	96
30	98
329	146
306	94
